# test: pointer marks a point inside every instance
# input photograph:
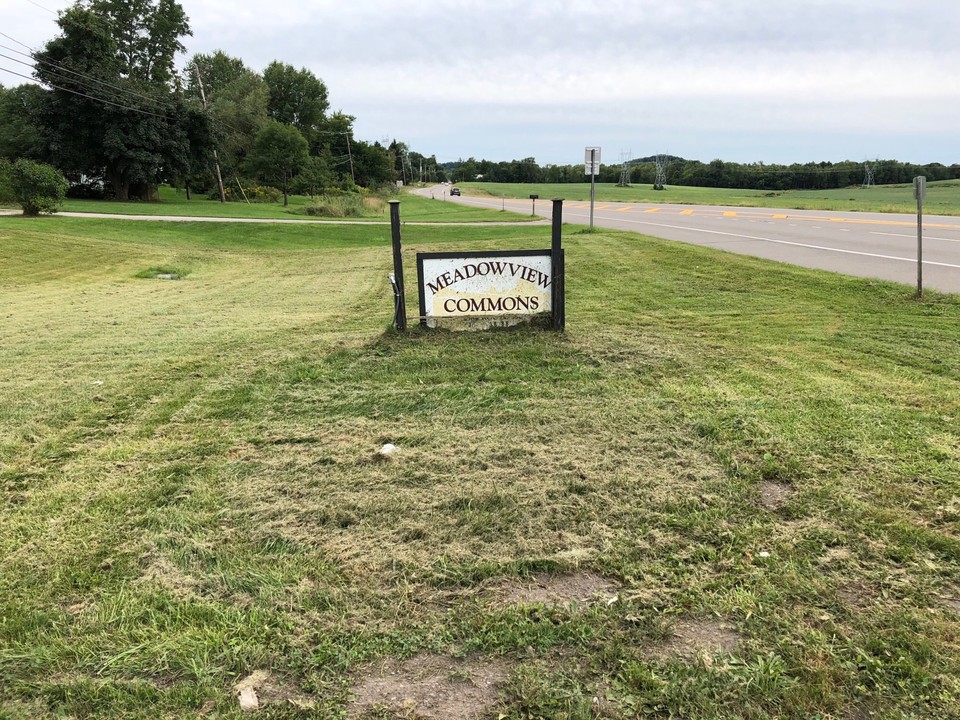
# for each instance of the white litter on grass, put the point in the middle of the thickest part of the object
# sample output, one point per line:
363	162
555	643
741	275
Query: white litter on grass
764	554
388	449
249	702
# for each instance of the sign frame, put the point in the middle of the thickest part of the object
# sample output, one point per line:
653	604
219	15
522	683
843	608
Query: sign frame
493	319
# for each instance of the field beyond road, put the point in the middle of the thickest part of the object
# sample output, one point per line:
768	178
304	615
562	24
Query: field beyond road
731	489
943	198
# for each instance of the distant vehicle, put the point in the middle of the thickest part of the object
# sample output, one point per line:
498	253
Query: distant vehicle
454	191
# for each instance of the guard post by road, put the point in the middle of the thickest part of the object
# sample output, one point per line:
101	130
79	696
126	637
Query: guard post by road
591	163
919	193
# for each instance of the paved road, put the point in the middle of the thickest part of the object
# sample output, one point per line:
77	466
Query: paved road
873	245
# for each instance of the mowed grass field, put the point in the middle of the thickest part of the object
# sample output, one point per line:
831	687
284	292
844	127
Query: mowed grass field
943	198
173	202
731	489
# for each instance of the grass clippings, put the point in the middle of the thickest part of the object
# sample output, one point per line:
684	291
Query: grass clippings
189	495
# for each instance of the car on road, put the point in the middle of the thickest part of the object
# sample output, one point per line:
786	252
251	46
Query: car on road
454	191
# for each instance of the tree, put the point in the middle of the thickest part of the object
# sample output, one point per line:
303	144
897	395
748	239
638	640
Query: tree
217	71
278	153
297	97
20	111
121	53
37	187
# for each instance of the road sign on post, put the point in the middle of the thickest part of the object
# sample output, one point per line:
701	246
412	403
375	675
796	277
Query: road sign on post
919	193
591	162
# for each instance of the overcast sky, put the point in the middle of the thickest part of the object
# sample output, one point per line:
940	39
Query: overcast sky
742	80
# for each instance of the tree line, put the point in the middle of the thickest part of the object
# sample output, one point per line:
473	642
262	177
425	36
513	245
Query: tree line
717	173
117	118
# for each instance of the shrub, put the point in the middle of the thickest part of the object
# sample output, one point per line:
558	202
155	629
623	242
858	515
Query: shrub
254	194
336	206
37	187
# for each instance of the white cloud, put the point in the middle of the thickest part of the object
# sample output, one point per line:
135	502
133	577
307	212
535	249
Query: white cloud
511	78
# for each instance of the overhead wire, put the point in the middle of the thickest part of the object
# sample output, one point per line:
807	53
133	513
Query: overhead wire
89	97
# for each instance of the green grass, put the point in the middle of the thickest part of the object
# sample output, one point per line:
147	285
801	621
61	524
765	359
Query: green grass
943	198
173	202
190	491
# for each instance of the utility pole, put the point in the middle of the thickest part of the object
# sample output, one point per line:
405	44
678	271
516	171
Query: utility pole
216	158
868	177
350	154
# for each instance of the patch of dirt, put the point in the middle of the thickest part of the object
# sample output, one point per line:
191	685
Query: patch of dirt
774	496
270	690
430	687
950	600
573	589
693	639
856	594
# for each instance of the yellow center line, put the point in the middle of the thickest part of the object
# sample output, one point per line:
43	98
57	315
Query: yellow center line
624	209
601	207
780	217
652	210
686	212
729	213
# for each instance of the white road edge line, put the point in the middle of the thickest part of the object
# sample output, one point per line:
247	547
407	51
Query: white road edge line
794	244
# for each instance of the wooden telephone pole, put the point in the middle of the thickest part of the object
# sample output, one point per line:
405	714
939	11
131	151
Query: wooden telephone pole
216	158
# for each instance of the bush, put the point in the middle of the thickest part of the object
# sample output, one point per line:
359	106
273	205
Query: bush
255	194
336	206
37	187
340	205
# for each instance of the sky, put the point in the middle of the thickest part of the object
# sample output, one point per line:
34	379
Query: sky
774	81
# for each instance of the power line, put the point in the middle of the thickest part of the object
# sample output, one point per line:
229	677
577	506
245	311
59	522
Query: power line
58	66
16	41
41	7
89	97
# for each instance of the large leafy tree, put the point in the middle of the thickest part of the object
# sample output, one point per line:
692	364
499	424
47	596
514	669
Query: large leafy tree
297	97
278	154
237	101
20	111
115	110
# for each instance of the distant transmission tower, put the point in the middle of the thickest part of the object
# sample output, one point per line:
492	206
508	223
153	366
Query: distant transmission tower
661	179
868	179
407	167
625	168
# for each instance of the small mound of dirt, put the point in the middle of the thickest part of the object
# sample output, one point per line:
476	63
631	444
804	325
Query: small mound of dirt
430	687
698	639
573	589
774	496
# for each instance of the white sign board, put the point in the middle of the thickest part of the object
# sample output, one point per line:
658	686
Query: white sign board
591	155
489	284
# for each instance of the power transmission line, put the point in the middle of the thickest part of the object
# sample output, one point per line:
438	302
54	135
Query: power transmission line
89	97
868	178
16	41
85	76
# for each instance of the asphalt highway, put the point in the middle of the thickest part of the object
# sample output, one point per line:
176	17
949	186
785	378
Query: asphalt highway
871	245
